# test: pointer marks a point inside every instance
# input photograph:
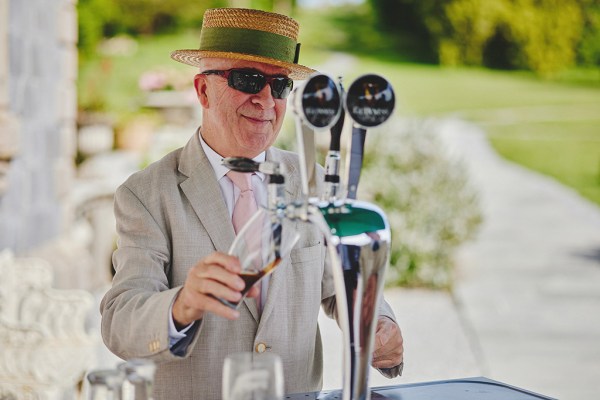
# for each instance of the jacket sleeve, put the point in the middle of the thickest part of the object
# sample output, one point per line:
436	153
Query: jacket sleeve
135	309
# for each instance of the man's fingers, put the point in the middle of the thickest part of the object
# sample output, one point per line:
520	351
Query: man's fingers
206	302
217	289
211	304
385	363
388	360
382	338
204	276
393	353
230	263
215	276
389	346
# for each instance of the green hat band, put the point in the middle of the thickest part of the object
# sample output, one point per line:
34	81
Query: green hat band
250	41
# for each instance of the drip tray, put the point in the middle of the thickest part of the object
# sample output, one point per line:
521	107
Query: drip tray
327	395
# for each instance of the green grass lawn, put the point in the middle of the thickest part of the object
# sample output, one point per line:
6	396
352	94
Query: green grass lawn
567	150
551	127
110	83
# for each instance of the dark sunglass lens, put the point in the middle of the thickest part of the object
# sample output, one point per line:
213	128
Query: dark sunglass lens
281	87
247	82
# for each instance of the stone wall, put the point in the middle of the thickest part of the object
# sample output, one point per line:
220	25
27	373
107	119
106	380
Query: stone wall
38	107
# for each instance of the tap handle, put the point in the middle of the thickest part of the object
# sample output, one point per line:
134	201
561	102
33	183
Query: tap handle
241	164
332	161
336	129
317	105
370	101
355	163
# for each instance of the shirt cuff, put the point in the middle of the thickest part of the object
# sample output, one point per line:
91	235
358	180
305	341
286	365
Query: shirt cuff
175	335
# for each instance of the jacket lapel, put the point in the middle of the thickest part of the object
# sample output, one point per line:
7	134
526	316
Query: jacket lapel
204	194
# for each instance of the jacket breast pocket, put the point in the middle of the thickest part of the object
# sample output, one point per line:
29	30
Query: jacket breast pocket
306	276
308	256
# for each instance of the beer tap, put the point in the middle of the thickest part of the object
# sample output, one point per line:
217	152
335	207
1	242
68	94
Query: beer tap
365	236
317	106
344	225
357	233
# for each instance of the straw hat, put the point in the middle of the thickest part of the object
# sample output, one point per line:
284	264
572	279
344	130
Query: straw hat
253	35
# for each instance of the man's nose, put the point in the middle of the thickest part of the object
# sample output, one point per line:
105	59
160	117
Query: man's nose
264	98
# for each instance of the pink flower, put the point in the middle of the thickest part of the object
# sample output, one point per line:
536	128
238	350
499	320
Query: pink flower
152	80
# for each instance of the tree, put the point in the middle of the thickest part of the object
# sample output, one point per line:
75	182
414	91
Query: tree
588	51
546	33
544	36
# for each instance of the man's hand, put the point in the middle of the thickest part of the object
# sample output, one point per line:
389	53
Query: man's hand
389	348
216	275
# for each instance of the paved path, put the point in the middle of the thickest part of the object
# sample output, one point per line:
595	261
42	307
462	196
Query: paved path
436	344
526	305
529	286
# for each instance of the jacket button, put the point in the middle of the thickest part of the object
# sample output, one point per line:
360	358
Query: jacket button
153	346
260	348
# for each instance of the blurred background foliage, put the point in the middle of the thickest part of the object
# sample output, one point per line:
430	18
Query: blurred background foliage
432	205
544	36
99	19
526	71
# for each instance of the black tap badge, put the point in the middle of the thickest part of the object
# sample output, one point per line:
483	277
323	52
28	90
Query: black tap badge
321	102
370	100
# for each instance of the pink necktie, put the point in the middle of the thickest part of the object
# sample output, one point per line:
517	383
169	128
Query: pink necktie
245	206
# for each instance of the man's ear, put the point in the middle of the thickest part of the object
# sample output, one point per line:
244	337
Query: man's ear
200	85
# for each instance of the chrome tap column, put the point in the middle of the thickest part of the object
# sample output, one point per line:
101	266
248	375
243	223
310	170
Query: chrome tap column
357	233
365	249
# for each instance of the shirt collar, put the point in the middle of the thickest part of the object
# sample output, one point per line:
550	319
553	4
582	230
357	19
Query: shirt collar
216	160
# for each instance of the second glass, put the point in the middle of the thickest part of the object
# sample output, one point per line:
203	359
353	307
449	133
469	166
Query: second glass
249	376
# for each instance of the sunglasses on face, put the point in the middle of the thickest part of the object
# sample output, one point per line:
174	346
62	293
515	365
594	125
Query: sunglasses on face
252	82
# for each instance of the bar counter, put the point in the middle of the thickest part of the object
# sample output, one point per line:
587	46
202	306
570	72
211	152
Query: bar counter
478	388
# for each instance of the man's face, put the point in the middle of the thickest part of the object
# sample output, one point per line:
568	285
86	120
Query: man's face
236	123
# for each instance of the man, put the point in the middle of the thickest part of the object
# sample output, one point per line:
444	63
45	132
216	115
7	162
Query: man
174	221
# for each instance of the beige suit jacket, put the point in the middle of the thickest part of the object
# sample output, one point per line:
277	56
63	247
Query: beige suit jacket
171	215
